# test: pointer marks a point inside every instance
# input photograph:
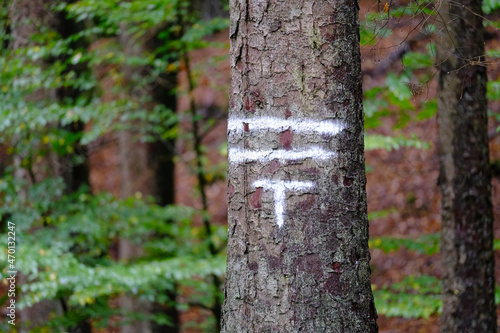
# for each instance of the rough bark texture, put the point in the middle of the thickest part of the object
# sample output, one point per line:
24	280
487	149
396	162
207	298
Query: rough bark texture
295	64
467	216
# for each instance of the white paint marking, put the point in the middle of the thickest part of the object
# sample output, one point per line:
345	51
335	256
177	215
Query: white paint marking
279	187
331	127
236	155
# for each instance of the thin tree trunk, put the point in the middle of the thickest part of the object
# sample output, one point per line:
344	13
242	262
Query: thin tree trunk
29	17
298	258
147	168
26	18
465	180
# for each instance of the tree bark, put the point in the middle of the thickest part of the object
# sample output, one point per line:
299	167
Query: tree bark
298	258
465	180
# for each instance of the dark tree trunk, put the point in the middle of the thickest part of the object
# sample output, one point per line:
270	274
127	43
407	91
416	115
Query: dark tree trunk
147	168
209	9
298	258
467	216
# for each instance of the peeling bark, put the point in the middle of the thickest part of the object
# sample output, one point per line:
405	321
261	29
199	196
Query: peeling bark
465	179
298	258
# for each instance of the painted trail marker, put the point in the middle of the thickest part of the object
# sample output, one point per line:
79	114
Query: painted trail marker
331	127
279	187
278	125
236	155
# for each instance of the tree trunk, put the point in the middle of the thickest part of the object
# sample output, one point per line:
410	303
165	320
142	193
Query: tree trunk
209	9
29	17
147	168
467	216
298	258
26	18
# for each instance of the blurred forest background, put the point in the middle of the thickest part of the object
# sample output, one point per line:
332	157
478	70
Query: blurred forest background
113	160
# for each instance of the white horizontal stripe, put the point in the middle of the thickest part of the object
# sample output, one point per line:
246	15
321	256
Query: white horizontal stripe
331	127
237	155
289	185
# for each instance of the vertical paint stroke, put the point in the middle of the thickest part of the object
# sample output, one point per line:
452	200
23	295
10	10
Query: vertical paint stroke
279	187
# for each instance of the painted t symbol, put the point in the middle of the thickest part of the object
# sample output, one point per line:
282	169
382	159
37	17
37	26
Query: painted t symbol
279	187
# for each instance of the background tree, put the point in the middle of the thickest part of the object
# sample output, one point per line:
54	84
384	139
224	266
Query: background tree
298	257
29	21
147	167
465	179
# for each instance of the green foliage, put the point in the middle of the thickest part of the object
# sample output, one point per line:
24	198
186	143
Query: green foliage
490	6
493	90
367	35
67	241
416	60
374	27
194	36
413	297
399	90
377	141
394	98
427	109
380	214
425	244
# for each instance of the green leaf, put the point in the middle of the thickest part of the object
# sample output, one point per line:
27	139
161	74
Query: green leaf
490	6
367	35
413	297
425	244
380	214
493	90
398	86
495	53
378	141
416	60
427	110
